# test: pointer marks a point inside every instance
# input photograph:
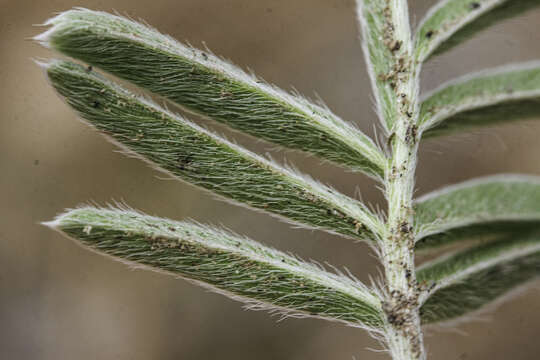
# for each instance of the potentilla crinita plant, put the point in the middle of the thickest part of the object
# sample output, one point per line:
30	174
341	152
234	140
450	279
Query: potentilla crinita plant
503	211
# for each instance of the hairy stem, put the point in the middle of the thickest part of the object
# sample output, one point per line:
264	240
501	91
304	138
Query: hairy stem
403	331
404	334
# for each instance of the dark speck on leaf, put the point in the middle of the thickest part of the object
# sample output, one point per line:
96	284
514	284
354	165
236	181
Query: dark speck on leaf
429	34
184	161
475	5
95	104
395	45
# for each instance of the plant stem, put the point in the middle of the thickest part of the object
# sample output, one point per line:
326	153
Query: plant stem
403	331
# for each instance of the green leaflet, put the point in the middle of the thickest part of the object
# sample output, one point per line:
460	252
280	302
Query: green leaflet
380	44
451	22
493	96
482	231
206	85
494	205
197	156
241	268
471	279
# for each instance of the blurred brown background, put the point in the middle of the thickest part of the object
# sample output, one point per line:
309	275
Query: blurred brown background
58	301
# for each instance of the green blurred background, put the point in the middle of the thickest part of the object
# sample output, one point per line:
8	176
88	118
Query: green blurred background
58	301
